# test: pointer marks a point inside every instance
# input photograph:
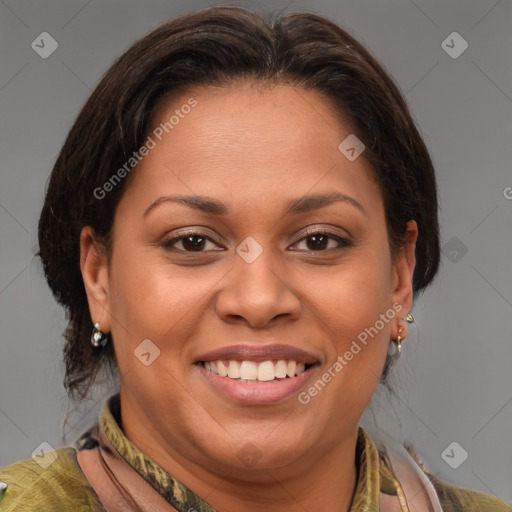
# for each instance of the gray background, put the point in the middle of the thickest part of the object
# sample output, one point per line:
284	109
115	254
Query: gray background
454	380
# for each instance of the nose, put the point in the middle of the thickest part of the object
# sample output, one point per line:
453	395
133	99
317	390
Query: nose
258	293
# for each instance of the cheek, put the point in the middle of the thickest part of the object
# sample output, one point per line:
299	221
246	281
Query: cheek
143	290
359	301
359	316
151	299
359	292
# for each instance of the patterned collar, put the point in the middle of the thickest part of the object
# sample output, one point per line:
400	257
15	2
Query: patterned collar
374	475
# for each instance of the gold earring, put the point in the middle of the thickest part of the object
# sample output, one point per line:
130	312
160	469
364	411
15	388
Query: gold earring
98	337
399	339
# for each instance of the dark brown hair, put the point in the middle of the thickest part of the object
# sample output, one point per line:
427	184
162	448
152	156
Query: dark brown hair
220	46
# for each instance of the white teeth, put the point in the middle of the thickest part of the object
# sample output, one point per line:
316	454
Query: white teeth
292	365
223	369
251	372
266	371
281	369
234	370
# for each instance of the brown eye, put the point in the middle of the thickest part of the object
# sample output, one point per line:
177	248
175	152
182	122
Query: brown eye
190	242
193	243
318	241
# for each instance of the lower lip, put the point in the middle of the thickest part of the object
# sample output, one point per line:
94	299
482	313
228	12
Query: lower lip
261	393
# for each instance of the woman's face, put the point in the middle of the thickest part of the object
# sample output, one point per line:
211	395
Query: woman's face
257	166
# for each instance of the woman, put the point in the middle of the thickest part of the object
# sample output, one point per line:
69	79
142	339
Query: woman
238	224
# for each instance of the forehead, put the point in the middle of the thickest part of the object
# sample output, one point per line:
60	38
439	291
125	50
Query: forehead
248	142
265	119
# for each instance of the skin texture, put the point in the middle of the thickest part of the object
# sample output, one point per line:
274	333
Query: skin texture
254	148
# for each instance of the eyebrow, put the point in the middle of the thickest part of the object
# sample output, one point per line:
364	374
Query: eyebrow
294	207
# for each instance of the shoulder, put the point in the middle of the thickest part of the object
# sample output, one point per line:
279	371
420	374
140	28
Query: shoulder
455	499
459	499
58	484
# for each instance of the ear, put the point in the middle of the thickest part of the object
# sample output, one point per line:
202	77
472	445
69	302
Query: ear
94	268
403	270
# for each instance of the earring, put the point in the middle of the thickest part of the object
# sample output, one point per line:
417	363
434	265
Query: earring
399	339
398	344
409	318
98	337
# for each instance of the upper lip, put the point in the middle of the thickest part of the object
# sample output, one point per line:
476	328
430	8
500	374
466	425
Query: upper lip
259	353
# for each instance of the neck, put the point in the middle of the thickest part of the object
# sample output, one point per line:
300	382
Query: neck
327	484
322	481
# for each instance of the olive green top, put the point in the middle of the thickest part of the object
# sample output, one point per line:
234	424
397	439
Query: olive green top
61	486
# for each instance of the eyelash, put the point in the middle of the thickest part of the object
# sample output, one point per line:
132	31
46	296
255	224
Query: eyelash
344	242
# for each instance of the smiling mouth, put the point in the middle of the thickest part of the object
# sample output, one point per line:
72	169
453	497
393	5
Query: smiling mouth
253	372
